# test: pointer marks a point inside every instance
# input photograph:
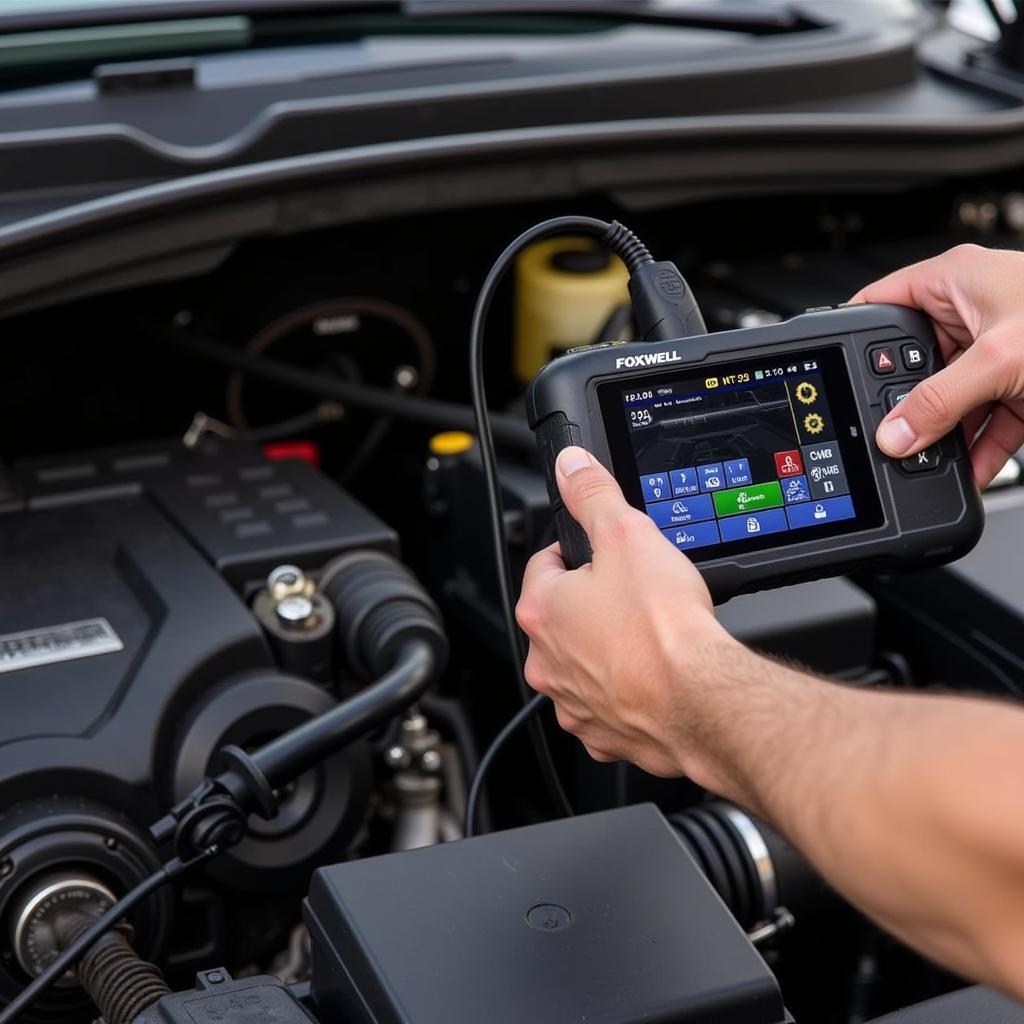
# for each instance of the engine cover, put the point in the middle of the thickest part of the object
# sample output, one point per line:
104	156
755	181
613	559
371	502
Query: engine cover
111	624
128	654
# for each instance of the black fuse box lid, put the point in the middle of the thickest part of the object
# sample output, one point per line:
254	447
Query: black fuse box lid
599	918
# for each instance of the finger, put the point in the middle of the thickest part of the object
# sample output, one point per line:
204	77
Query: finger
544	567
591	494
908	286
928	286
1002	437
566	720
545	564
974	421
938	404
534	673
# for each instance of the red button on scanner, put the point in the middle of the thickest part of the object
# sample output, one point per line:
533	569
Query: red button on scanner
883	360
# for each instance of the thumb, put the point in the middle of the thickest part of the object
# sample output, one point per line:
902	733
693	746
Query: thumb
936	405
591	494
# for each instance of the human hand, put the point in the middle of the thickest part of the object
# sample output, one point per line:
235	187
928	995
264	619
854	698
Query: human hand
625	645
975	298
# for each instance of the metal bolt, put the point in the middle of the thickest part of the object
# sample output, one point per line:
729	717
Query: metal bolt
6	867
407	377
289	578
397	757
414	724
430	761
967	212
214	977
988	214
294	610
110	843
1013	211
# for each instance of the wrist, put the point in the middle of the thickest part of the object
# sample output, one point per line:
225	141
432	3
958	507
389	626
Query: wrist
733	706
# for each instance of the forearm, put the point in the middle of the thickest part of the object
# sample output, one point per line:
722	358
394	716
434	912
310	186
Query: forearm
910	805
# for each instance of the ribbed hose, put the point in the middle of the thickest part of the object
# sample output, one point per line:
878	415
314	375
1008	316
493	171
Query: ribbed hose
752	867
118	980
380	607
627	246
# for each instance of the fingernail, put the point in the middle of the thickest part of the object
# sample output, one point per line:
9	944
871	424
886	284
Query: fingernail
896	436
572	459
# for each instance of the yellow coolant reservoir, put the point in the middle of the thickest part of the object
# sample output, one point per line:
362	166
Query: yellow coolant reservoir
566	288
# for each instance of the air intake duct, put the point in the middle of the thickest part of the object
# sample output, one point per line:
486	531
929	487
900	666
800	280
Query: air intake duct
751	866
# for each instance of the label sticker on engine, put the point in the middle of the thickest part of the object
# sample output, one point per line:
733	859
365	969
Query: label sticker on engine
57	643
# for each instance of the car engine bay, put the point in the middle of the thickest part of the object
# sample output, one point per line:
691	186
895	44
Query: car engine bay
163	609
240	489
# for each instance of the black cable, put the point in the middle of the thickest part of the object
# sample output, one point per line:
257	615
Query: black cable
524	714
58	967
509	430
663	308
549	228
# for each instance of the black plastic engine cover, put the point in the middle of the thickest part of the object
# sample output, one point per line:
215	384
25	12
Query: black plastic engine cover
95	724
128	655
604	917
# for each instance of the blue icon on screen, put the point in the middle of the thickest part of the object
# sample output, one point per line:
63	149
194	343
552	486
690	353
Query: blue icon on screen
684	482
828	511
711	477
655	486
697	535
794	488
737	472
682	510
756	525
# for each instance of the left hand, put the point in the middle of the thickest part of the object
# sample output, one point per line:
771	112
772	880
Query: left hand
623	645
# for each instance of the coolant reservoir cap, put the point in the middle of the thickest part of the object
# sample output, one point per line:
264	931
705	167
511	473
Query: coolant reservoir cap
451	442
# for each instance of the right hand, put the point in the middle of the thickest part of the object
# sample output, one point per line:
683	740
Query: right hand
975	298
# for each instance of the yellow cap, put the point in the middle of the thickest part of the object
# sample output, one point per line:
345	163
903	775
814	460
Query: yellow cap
451	442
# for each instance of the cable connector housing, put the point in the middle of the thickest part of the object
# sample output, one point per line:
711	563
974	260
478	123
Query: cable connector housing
664	306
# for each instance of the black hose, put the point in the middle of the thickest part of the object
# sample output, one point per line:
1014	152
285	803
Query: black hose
509	430
307	745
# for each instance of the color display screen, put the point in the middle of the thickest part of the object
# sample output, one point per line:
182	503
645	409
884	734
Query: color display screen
742	457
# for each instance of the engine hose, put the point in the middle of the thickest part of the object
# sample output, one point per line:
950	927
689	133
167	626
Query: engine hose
118	980
752	867
380	606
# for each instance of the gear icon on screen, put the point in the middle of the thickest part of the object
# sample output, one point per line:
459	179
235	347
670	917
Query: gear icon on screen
813	423
806	392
